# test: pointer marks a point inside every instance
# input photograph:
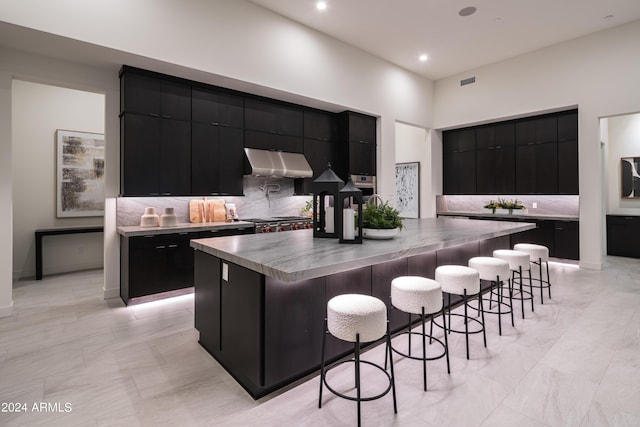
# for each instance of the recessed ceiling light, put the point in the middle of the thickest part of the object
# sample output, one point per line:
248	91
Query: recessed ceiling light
423	57
467	11
321	5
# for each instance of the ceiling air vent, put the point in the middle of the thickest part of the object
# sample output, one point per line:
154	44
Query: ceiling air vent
467	81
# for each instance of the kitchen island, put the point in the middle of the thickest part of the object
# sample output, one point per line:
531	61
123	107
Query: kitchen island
260	300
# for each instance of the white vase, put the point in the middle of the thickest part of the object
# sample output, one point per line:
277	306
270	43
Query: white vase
168	218
380	233
150	218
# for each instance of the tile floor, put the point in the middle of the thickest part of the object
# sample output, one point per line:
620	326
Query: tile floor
574	362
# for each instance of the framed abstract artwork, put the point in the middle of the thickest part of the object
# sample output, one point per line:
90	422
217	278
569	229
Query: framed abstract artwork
408	189
79	174
630	179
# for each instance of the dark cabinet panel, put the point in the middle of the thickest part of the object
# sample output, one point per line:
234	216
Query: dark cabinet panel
272	141
543	234
546	161
174	169
156	264
217	160
217	108
265	116
362	158
567	240
319	125
319	153
623	233
568	181
207	276
459	161
291	353
156	156
546	129
205	159
495	159
149	95
231	162
140	155
457	255
526	132
568	126
241	314
422	265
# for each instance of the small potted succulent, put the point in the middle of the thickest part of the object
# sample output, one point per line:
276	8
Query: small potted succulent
380	220
506	206
491	206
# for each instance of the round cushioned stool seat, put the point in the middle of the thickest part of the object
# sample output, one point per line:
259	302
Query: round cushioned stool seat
490	268
351	314
411	293
536	252
516	259
454	279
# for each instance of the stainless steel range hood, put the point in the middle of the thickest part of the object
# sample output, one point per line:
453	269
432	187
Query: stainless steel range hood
277	163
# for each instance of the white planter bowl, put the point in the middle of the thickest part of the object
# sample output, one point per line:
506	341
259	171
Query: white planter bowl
380	233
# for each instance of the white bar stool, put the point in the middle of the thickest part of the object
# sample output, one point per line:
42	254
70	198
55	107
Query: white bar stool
497	272
464	281
422	296
357	318
538	255
518	262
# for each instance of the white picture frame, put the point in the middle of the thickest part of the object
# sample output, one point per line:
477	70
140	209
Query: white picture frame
80	162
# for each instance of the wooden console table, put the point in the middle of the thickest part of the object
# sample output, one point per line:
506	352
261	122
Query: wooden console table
54	232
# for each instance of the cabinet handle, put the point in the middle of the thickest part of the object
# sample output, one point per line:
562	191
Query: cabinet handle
628	217
173	246
215	124
166	194
183	234
164	116
154	115
498	147
160	247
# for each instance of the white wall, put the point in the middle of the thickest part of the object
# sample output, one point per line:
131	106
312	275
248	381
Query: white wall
38	110
623	140
6	250
598	73
413	145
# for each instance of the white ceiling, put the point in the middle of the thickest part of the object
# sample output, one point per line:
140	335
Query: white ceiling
399	31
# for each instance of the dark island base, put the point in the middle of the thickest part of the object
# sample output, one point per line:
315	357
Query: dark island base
268	333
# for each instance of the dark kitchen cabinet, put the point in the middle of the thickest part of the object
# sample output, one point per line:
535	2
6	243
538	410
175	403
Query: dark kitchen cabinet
289	355
217	159
270	117
273	141
495	159
318	153
459	161
207	278
567	240
537	156
216	108
543	234
358	133
155	264
156	156
319	125
623	233
154	96
568	153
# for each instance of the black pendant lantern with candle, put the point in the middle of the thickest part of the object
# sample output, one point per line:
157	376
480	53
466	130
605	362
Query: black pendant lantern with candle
350	207
327	219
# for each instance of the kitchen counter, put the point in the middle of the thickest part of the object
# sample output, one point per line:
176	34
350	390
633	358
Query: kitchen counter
136	230
260	299
524	217
296	255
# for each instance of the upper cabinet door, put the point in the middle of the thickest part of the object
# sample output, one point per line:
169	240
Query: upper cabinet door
568	126
140	94
149	95
216	108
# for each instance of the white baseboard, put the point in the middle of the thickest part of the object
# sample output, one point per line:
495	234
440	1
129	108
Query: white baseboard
6	311
110	293
591	265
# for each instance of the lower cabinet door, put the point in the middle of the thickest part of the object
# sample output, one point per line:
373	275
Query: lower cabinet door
207	300
294	324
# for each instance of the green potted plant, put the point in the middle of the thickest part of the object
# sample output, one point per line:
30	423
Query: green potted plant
380	220
507	206
491	206
307	210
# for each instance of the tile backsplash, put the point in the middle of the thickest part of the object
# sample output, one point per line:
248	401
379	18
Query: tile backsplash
254	203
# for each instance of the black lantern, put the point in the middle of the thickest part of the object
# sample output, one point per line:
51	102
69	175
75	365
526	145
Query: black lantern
326	218
349	206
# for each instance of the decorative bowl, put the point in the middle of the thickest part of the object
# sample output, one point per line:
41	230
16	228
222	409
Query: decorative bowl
380	233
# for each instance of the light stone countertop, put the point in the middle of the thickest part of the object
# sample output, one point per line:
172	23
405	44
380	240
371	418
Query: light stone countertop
296	255
136	230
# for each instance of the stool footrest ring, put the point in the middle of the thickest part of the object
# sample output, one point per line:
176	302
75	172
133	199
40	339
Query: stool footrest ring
353	398
431	338
458	331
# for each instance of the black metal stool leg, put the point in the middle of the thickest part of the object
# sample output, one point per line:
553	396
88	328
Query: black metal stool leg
484	334
499	305
511	301
521	293
548	280
324	339
357	357
466	322
424	353
541	287
531	289
393	376
446	341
